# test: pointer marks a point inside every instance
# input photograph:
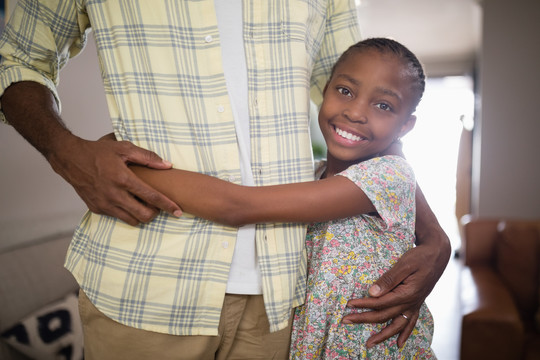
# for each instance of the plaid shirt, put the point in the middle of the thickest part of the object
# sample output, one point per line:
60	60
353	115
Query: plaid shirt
165	89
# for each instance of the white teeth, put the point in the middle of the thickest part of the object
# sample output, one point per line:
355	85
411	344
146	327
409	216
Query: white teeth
347	135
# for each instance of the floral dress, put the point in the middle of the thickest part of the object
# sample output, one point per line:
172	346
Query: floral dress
346	256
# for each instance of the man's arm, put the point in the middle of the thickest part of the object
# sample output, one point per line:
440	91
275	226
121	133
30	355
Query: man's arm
404	288
96	169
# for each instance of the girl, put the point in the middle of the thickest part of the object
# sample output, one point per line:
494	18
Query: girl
368	104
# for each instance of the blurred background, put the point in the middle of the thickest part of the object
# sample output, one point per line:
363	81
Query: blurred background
474	148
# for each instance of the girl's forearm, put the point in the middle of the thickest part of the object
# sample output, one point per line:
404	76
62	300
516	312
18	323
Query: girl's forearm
197	194
231	204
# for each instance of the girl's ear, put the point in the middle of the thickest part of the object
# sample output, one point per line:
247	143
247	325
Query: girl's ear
408	125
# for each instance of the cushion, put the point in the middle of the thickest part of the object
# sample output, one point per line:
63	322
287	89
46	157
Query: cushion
517	261
53	332
33	276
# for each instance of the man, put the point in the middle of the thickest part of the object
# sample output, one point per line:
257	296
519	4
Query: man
218	87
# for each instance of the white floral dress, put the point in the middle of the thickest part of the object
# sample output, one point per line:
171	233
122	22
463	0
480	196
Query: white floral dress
345	256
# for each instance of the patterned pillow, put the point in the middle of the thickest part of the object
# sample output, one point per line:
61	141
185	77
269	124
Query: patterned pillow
54	332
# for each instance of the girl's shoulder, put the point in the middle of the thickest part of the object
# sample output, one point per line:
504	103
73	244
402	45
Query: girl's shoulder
382	166
388	160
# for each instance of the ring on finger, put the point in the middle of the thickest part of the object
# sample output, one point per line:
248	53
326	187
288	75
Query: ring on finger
405	316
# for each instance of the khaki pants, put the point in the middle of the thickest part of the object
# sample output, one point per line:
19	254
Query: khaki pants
243	334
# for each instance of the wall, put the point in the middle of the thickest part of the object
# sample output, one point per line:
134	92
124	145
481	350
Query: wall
35	201
507	165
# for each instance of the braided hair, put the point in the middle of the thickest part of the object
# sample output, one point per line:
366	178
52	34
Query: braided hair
389	46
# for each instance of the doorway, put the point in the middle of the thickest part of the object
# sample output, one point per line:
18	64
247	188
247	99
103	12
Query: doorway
432	147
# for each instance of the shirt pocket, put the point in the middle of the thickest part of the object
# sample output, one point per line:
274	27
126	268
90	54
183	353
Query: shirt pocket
303	21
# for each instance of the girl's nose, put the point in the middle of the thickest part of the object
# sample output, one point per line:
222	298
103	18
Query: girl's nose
355	114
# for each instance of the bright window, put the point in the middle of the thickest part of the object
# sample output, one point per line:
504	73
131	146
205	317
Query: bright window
432	146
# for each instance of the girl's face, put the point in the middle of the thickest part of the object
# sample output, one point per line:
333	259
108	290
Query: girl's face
367	105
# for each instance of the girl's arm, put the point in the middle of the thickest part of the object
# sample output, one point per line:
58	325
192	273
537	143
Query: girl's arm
231	204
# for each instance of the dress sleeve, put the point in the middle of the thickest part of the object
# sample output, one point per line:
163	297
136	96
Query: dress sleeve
38	40
389	183
341	31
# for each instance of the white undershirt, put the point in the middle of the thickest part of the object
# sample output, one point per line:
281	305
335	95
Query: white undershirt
244	276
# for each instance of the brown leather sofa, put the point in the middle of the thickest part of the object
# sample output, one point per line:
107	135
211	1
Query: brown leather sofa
500	289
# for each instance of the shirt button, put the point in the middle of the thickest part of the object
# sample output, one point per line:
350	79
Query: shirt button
208	38
225	244
232	178
220	108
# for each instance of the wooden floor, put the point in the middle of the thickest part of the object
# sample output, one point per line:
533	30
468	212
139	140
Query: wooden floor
444	305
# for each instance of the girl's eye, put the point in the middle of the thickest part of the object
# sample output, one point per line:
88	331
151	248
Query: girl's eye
344	91
384	106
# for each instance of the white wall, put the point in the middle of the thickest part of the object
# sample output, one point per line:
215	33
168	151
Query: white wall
35	201
507	178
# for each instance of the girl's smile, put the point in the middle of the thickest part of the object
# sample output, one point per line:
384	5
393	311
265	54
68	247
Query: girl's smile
349	135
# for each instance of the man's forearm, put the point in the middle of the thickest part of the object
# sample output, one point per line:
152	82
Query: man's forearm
32	110
97	170
428	229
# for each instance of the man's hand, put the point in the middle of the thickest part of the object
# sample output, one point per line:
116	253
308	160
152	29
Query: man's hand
99	173
400	292
96	169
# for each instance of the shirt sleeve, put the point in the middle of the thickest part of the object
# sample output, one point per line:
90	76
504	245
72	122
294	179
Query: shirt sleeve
341	31
38	40
389	183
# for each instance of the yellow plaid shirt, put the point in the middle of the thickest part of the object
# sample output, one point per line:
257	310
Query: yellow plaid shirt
164	83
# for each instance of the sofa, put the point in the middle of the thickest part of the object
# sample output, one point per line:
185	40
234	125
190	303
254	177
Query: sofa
500	289
38	303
